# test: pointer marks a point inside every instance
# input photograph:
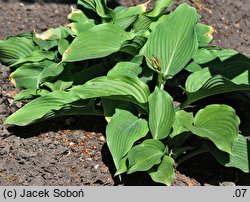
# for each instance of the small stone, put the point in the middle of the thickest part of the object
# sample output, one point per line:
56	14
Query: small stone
96	166
25	154
37	181
227	184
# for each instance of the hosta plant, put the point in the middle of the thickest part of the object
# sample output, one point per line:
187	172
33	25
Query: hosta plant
149	70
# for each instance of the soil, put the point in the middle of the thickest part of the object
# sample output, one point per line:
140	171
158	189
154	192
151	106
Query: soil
72	150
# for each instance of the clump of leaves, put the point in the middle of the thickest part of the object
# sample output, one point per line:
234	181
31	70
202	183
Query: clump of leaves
148	67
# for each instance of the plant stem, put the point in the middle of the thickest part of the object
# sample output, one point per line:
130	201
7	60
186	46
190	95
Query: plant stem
201	150
161	82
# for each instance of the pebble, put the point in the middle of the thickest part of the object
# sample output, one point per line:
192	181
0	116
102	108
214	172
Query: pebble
227	184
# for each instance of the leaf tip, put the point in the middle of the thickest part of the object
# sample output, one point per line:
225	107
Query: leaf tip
209	34
12	80
65	53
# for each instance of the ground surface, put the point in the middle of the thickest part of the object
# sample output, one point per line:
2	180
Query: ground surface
72	151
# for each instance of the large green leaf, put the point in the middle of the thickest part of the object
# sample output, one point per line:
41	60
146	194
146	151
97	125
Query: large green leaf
79	107
97	42
173	42
122	88
122	132
35	56
145	155
38	108
165	171
15	48
161	113
240	157
218	123
202	84
27	75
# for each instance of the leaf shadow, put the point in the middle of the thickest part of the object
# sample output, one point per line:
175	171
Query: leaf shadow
86	123
231	67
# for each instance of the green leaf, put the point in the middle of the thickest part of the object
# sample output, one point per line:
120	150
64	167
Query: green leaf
78	107
121	88
142	23
122	132
133	47
37	109
202	84
98	6
122	168
27	35
123	12
77	15
165	171
27	75
109	107
147	75
197	79
193	67
225	54
36	56
129	69
182	118
218	123
240	157
15	48
54	34
161	113
96	43
173	42
124	17
50	72
29	94
204	34
234	66
78	27
45	44
63	44
159	7
145	155
64	81
203	56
